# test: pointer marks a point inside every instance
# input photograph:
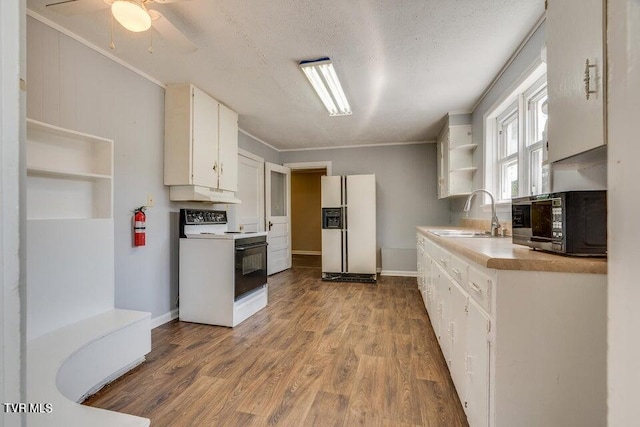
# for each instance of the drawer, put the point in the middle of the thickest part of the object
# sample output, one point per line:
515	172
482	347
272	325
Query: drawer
480	288
459	270
443	258
431	249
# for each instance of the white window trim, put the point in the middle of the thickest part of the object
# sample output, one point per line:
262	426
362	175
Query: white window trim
510	96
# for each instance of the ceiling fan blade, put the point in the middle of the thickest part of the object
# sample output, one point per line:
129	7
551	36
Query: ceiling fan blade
76	7
171	33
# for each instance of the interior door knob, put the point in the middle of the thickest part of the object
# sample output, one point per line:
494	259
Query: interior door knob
270	225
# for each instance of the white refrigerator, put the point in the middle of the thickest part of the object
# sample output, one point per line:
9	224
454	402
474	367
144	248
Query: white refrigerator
349	228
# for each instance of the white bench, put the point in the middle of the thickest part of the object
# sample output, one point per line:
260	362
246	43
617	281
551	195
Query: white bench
70	363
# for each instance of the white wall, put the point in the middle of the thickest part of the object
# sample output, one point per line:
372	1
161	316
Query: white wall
624	234
12	214
73	86
406	186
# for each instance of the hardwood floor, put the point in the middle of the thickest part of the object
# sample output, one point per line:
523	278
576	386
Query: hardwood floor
314	261
322	354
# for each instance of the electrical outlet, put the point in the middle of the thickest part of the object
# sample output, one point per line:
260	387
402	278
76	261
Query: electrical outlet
149	200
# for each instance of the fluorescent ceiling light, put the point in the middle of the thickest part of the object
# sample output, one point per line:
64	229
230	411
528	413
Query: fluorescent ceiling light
132	15
324	80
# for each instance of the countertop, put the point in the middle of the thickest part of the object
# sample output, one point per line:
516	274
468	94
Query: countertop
501	254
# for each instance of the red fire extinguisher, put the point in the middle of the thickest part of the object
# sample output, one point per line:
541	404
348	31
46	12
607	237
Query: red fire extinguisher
139	235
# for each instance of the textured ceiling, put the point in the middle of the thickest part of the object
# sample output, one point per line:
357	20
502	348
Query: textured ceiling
403	64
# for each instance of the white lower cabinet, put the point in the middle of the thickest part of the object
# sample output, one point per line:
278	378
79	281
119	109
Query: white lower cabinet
458	337
476	366
524	348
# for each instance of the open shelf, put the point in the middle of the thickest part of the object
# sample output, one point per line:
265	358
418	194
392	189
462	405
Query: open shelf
54	173
69	173
469	169
469	147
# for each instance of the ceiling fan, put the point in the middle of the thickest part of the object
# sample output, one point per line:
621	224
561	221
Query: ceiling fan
133	15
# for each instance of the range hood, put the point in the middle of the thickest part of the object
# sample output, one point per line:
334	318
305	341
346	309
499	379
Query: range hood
195	193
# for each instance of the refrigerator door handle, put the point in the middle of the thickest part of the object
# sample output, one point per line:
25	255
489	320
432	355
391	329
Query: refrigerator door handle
342	251
346	251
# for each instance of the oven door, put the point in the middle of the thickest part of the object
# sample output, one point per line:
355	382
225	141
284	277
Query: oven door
250	267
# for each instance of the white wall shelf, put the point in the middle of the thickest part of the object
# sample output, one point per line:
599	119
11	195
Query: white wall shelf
69	173
470	147
455	157
53	173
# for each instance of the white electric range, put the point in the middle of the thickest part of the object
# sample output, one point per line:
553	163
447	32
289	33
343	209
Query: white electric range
223	274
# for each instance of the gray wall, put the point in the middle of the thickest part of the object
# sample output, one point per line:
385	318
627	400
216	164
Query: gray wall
72	86
259	149
521	63
406	186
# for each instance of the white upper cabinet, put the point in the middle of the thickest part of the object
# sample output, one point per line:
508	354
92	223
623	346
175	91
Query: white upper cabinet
201	140
228	152
455	157
204	133
576	76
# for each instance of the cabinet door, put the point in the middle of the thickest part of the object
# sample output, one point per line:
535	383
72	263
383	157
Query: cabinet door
575	35
434	307
458	337
476	389
432	291
444	295
228	151
443	165
204	153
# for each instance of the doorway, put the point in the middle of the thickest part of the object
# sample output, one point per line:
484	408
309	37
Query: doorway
306	228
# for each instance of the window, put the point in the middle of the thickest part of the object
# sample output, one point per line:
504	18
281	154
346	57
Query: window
514	139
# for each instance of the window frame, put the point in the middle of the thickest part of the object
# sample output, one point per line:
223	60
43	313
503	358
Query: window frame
519	96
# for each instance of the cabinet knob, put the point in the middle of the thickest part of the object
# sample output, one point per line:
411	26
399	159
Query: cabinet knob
221	168
215	166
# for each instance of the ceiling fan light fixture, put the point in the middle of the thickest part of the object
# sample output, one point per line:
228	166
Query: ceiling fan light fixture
132	15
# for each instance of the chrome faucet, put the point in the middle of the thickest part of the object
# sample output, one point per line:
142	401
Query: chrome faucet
495	224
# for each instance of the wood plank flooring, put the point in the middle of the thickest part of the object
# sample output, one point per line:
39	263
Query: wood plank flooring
320	354
314	261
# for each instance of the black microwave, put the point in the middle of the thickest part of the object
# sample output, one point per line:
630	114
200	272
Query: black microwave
568	223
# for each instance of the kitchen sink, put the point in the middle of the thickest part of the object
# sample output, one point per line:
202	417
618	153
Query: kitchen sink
460	233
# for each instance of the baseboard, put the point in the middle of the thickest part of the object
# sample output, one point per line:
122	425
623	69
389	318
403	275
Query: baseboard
111	378
165	318
399	273
306	252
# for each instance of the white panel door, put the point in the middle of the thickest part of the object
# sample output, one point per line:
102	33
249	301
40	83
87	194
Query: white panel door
478	355
360	201
278	217
204	154
249	215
